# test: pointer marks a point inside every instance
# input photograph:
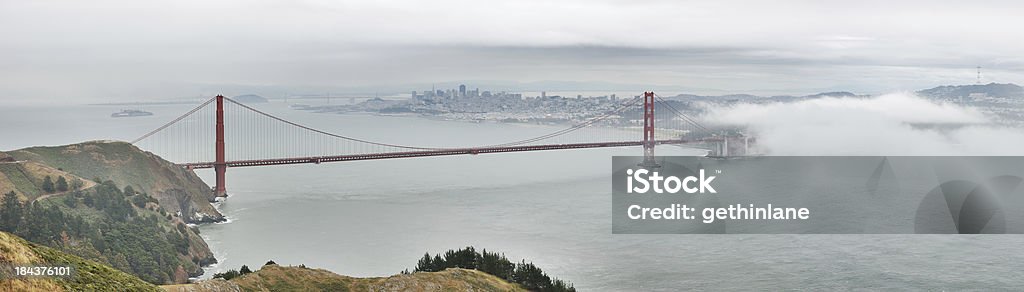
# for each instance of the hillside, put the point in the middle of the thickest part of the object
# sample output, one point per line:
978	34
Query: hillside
249	98
750	97
999	90
122	228
88	275
175	188
277	278
135	227
27	178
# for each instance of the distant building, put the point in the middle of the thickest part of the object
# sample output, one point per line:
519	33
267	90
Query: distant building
543	94
462	90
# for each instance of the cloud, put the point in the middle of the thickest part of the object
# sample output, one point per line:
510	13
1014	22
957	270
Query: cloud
890	124
119	48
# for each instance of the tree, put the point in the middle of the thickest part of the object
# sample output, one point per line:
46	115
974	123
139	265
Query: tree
62	184
526	274
77	184
270	262
48	185
129	191
89	200
10	212
70	201
531	277
244	270
425	264
230	274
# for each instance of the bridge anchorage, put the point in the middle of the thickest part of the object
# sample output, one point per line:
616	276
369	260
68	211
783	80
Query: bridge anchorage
243	136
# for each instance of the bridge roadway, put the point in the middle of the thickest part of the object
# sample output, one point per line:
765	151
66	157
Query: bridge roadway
423	153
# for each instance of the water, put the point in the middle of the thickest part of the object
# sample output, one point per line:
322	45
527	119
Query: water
376	218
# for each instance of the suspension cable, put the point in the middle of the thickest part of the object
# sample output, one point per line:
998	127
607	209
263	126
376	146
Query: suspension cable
573	128
514	143
327	133
618	109
173	121
680	114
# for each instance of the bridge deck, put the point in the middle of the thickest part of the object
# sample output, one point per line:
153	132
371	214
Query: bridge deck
424	153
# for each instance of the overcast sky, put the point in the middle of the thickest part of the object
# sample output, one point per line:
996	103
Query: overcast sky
116	50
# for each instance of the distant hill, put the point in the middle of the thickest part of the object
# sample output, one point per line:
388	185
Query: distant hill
948	92
748	97
278	278
250	98
999	90
88	275
832	94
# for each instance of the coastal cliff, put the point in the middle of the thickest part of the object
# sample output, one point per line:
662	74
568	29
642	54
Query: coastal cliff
175	188
112	203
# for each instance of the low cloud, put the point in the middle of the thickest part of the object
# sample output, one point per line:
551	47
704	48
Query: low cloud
891	124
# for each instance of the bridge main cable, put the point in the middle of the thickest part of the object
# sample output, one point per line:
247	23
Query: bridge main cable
584	124
328	133
513	143
680	114
173	121
618	109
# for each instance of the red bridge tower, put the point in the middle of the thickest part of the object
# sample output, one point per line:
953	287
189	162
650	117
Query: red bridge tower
649	140
220	165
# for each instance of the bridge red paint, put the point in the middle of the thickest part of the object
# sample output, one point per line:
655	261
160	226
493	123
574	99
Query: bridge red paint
220	163
426	153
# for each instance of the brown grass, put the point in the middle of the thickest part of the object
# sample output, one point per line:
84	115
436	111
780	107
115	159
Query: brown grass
278	278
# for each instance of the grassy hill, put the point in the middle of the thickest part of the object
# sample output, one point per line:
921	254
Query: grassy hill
175	188
26	178
126	230
131	212
279	278
88	275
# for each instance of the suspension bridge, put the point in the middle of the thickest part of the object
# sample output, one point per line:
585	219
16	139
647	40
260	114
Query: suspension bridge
244	136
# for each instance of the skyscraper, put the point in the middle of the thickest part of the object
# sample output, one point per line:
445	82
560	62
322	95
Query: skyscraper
462	90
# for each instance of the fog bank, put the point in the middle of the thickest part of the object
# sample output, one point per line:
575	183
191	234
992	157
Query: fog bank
890	124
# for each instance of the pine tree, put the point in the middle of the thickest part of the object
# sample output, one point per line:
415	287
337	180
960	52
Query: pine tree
62	184
48	185
77	184
10	212
70	201
230	274
425	264
531	277
244	270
